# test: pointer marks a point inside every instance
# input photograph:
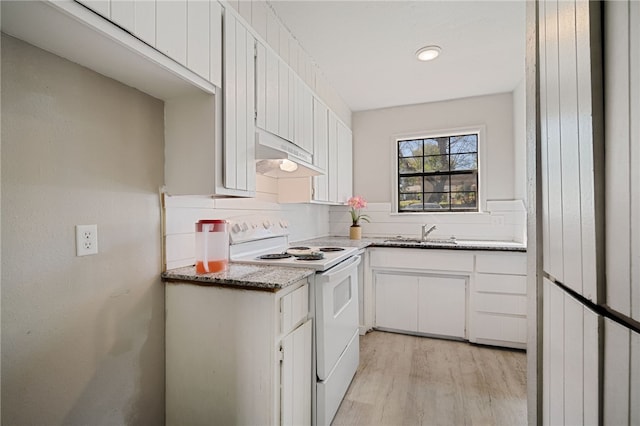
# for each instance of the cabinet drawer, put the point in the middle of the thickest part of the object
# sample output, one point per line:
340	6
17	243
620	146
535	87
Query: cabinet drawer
498	327
294	307
494	283
511	304
422	259
503	263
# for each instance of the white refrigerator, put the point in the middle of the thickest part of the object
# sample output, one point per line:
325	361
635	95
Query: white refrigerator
589	200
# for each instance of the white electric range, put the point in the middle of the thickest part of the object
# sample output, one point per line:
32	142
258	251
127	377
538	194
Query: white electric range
333	301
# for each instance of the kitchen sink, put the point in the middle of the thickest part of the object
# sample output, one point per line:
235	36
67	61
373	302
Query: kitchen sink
417	241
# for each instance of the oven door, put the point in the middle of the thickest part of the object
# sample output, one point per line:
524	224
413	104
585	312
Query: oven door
336	313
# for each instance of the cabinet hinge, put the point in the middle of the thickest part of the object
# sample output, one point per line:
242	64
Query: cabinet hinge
281	354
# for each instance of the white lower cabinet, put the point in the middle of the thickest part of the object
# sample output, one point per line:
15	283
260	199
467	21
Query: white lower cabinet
472	295
498	300
426	304
238	356
421	291
396	301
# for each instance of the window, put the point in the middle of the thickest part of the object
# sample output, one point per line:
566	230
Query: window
438	174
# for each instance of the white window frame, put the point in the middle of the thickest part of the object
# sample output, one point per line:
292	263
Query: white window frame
482	188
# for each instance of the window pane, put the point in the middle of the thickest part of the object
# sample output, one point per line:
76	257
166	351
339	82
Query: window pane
436	184
438	174
464	162
436	163
411	148
466	182
464	200
463	144
410	184
411	202
436	200
436	146
410	165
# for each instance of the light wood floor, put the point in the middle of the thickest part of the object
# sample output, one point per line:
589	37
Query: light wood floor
409	380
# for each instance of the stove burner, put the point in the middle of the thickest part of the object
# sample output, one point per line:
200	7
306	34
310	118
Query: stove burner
327	249
299	248
274	256
313	256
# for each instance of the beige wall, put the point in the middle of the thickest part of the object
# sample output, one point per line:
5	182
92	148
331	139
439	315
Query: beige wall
373	133
82	337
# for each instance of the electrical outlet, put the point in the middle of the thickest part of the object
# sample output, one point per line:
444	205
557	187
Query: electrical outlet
86	240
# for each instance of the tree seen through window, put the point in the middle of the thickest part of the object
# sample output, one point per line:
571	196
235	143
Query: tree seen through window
438	174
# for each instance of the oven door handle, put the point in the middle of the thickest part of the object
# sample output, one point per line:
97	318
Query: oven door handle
354	261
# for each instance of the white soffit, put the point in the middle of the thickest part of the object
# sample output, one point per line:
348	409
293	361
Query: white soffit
366	49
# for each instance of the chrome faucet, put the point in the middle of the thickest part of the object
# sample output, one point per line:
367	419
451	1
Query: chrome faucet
426	232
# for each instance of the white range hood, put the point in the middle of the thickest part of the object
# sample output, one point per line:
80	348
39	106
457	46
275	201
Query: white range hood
279	158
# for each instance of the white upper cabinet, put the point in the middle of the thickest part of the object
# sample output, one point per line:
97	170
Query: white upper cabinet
198	38
171	29
332	170
345	162
187	31
303	135
267	89
101	7
239	106
123	13
320	150
215	43
144	21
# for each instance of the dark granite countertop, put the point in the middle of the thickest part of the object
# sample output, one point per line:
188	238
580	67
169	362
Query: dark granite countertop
242	276
384	242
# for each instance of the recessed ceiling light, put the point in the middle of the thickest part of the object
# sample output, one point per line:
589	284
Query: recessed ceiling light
428	53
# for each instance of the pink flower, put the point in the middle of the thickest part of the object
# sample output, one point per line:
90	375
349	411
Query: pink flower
356	203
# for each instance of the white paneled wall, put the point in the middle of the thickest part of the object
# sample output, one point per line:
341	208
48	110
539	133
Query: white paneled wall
181	213
504	221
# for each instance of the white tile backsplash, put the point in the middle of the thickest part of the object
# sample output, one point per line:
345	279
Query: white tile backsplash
504	221
182	212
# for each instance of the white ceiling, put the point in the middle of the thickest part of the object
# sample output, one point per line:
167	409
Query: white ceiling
366	49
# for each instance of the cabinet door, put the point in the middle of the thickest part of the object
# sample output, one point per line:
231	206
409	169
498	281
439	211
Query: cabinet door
571	144
320	150
332	169
622	140
239	101
198	37
215	43
123	14
144	25
267	89
345	163
570	362
442	305
396	301
295	389
283	100
101	7
303	113
171	29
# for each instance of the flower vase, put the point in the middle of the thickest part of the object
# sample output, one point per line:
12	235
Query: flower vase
355	232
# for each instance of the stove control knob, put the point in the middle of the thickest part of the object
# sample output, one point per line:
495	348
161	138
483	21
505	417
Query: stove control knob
266	224
284	224
245	227
235	228
254	225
